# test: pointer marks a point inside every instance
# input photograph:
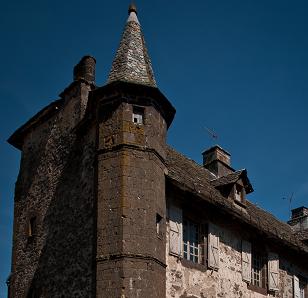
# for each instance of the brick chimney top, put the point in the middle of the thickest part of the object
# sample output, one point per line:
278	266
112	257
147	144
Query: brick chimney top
85	69
218	161
299	219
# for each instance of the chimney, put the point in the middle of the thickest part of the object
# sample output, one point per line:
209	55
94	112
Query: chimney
299	219
85	70
217	161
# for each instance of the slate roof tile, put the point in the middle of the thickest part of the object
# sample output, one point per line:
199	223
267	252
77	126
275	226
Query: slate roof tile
132	62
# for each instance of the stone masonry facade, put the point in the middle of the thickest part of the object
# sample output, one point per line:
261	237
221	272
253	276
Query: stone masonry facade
189	279
55	187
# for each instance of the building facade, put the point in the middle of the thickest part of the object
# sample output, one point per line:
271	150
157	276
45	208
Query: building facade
105	208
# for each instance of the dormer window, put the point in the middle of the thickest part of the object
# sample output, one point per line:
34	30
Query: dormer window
138	115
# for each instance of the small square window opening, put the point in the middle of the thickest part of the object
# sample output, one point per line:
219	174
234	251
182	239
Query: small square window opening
138	115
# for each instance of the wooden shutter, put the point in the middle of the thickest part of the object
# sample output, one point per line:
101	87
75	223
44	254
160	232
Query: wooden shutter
246	261
175	235
296	287
213	247
273	272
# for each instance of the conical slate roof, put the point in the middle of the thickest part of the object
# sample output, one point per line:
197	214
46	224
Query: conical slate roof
132	62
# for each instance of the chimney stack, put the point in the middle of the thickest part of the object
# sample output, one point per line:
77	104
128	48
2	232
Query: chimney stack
217	161
85	70
299	219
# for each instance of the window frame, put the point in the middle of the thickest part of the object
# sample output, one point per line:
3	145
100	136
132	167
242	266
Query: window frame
201	247
260	285
138	114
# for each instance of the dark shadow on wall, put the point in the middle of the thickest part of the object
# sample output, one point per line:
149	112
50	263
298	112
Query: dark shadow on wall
66	266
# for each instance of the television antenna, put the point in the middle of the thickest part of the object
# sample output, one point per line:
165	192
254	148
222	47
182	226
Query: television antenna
211	133
290	199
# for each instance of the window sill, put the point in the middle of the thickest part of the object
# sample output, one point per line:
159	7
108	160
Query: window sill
257	289
193	265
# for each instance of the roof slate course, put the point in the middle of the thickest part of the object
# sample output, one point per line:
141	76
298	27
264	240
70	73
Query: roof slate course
194	178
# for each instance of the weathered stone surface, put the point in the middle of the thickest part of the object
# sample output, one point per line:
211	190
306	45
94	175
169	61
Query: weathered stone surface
131	192
187	279
56	185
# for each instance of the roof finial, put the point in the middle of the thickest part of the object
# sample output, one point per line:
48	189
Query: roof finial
132	8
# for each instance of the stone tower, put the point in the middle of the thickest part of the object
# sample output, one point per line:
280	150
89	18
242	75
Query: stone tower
90	208
133	117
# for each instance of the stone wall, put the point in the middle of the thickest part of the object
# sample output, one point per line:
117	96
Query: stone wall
187	279
56	185
131	191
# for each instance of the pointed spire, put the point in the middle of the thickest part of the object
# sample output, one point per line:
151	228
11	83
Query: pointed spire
132	62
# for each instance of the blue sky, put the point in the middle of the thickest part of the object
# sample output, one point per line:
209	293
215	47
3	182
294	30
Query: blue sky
239	67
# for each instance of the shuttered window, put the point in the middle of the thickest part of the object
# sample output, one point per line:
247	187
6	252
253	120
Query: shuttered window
258	267
194	241
175	235
273	272
191	234
213	247
246	261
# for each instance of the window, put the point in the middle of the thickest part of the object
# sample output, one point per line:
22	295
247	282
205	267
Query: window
159	220
187	239
32	227
239	193
138	115
193	242
259	269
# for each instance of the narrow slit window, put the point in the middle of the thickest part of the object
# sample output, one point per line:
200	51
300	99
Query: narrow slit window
159	221
138	115
32	227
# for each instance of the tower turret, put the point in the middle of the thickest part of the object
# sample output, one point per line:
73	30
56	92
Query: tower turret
133	117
